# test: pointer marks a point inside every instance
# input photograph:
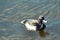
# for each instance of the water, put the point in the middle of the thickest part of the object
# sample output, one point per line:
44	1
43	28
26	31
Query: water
13	11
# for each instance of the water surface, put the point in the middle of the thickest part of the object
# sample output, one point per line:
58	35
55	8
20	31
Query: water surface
13	11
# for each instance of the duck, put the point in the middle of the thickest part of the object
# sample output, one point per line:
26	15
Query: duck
31	24
35	24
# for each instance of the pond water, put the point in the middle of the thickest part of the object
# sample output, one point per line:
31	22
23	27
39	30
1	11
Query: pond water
13	11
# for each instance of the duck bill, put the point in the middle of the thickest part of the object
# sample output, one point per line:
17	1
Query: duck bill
44	21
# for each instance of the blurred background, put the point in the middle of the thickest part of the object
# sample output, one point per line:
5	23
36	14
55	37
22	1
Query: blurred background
13	11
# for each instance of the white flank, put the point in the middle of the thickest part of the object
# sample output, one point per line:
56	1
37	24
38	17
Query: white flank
30	27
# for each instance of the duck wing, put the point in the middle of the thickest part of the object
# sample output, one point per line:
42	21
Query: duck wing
32	22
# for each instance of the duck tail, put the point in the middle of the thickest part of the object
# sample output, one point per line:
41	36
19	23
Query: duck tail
42	33
23	21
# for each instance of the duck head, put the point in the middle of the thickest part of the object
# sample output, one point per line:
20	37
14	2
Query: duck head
41	19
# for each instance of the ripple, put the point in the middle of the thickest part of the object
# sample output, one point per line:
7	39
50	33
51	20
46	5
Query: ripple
14	11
